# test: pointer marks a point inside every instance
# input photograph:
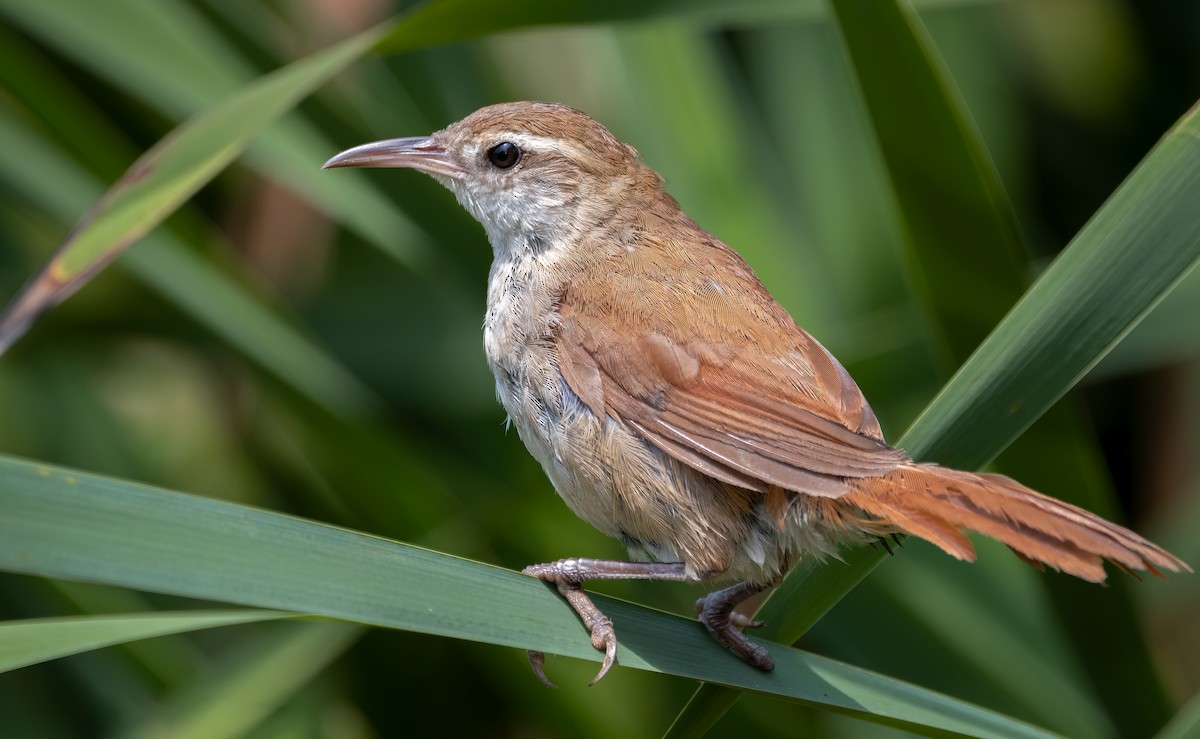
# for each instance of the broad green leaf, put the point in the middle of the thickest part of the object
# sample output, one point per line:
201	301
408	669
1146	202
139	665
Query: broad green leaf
29	642
70	525
252	683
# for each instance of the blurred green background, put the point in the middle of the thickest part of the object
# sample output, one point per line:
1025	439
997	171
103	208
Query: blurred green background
762	136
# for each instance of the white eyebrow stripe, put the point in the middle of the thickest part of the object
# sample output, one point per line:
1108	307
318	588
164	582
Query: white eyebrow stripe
544	143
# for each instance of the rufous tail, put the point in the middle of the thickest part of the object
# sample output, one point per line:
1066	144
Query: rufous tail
937	504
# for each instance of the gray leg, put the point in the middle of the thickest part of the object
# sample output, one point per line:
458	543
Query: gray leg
568	575
715	611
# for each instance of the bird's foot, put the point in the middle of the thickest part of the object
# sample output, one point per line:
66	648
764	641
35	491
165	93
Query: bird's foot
715	611
567	577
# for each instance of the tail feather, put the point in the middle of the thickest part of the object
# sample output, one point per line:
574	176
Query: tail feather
936	504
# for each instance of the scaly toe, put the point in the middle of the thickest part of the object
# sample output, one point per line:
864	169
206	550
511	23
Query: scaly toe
538	571
760	658
603	633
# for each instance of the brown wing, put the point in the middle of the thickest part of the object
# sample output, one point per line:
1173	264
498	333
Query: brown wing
731	386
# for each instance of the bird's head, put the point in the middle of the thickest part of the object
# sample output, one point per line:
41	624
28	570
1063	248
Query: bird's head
529	172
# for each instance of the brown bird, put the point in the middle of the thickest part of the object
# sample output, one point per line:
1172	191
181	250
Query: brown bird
674	404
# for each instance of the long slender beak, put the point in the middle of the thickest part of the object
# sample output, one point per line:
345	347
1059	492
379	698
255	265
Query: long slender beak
416	152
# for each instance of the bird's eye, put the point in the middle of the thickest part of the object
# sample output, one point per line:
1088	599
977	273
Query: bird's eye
503	156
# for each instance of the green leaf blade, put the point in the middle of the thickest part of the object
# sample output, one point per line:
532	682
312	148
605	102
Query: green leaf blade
71	525
24	643
1141	244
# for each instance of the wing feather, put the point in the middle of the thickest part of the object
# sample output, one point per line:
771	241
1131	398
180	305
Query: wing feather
719	391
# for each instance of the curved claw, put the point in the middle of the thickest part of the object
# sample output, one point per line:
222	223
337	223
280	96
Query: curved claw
604	637
536	660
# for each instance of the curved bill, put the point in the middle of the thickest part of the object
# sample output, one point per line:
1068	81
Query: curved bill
416	152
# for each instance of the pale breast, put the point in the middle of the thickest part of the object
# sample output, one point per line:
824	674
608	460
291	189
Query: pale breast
559	431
